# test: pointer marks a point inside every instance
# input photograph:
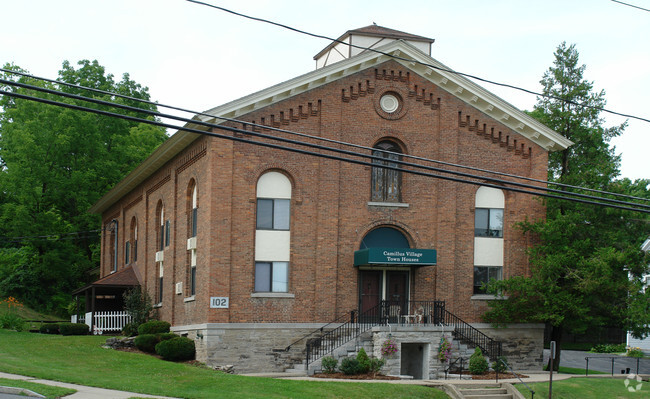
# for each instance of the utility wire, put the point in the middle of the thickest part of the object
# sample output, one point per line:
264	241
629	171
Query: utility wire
320	147
317	154
419	62
317	137
631	5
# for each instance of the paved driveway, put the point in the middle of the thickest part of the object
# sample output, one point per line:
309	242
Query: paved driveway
601	361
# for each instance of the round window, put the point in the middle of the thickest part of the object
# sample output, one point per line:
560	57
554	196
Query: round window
389	103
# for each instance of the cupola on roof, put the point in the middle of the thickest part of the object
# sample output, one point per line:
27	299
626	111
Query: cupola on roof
371	36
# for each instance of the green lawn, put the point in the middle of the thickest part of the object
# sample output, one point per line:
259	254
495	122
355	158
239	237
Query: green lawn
581	388
46	390
82	360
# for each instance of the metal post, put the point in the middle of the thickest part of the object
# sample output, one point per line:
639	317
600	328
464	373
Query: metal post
587	369
551	367
612	367
637	366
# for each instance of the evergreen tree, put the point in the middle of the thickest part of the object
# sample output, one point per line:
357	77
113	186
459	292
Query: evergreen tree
579	271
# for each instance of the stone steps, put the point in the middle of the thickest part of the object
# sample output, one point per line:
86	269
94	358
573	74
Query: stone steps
484	391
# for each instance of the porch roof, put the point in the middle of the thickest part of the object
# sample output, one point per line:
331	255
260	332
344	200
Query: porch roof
120	279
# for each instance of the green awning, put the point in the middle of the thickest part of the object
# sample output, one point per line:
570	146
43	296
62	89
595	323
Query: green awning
395	256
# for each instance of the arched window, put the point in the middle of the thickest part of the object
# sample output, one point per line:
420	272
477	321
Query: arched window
272	235
488	237
163	238
192	224
113	229
386	182
134	239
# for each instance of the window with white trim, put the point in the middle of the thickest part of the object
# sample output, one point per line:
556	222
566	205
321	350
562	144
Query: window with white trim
488	237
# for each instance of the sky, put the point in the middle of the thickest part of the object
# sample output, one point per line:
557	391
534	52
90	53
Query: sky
196	57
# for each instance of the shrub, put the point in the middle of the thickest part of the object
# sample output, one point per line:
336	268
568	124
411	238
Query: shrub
477	362
364	361
130	329
11	321
49	328
608	348
179	348
146	342
501	365
166	336
138	305
329	364
349	366
73	328
154	327
376	365
634	352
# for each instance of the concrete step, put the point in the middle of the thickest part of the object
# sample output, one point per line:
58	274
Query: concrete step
485	391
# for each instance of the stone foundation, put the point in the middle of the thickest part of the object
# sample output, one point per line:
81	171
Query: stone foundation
261	347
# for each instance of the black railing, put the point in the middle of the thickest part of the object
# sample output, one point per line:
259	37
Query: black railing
532	393
471	336
321	330
625	360
460	367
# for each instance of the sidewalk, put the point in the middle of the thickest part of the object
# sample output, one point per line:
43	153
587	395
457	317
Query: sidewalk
83	392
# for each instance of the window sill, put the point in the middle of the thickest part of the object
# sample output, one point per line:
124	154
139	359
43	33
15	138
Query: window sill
487	297
189	299
388	204
158	305
272	295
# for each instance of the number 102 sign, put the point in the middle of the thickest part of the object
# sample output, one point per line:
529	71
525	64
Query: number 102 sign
219	302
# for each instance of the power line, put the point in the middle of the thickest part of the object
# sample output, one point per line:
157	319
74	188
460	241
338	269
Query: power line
631	5
75	235
419	62
318	154
296	133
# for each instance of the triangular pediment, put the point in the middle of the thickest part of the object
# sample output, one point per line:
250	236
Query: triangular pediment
402	52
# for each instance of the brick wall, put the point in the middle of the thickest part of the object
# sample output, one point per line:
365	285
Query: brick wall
330	213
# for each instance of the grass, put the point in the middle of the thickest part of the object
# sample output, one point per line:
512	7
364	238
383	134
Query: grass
580	388
82	360
46	390
571	370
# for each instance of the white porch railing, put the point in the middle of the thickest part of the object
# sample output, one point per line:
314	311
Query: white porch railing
104	321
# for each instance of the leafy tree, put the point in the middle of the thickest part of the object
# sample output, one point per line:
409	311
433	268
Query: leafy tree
54	164
579	270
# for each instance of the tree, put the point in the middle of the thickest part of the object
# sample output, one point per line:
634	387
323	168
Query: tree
579	275
55	163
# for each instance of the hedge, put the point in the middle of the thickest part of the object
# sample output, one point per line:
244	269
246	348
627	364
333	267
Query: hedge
154	327
179	348
73	328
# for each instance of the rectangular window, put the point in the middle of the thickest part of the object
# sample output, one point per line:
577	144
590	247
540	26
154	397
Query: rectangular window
162	237
167	232
483	275
273	214
194	221
271	276
192	280
160	290
488	222
127	253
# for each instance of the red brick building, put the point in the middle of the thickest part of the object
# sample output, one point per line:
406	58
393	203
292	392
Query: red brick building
268	243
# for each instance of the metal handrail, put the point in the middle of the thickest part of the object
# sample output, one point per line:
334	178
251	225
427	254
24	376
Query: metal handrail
461	367
613	357
322	328
532	393
490	347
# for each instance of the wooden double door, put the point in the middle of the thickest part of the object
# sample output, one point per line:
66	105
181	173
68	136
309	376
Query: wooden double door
378	285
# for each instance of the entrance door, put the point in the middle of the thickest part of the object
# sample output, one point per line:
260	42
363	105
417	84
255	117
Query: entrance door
397	289
370	291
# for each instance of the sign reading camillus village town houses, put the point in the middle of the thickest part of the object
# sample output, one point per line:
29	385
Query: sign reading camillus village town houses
395	256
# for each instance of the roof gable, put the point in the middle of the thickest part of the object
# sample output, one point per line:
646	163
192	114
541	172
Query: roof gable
409	57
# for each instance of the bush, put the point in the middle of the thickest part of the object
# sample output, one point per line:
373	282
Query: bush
166	336
179	348
73	328
349	366
11	321
49	328
364	361
329	364
501	365
138	305
130	329
608	348
634	352
376	365
477	362
146	342
154	327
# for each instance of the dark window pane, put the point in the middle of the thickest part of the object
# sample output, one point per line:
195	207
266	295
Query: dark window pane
481	222
135	250
162	237
160	290
281	213
167	233
194	221
262	277
193	281
127	253
264	214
